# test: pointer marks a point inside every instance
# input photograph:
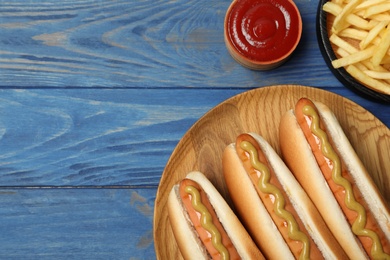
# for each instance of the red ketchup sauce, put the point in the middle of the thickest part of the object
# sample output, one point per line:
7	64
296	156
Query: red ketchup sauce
264	30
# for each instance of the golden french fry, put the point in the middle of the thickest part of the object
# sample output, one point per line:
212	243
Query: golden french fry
376	9
380	17
339	22
360	65
368	64
332	8
342	43
357	21
361	33
353	58
338	2
370	3
371	24
353	33
377	75
352	19
368	81
383	46
372	34
360	22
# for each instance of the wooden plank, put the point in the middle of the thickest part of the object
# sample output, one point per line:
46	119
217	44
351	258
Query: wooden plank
94	137
76	223
144	44
73	137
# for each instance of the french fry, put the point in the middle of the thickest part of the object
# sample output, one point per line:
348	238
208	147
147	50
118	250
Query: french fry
331	7
353	58
377	75
372	34
380	17
384	45
367	4
368	81
340	22
344	53
338	2
342	43
352	19
353	33
360	34
358	22
376	9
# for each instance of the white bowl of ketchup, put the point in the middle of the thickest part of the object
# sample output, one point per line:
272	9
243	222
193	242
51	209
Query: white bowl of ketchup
262	34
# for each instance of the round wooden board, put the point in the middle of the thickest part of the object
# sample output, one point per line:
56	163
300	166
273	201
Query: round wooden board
259	111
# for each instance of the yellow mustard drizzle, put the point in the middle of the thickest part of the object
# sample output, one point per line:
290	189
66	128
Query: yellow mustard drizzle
206	221
265	186
358	227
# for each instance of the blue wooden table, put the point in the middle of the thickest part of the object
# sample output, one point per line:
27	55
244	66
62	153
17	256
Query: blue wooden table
94	97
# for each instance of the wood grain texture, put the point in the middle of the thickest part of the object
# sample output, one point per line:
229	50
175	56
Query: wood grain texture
97	94
143	44
94	137
97	137
76	223
260	111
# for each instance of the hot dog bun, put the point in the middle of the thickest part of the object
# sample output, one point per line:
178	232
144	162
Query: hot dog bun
191	247
298	155
266	229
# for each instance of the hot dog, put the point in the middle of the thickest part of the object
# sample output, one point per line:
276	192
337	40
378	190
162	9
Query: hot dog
317	151
204	225
271	204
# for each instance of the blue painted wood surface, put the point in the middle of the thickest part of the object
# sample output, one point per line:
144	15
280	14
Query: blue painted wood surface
94	96
56	223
